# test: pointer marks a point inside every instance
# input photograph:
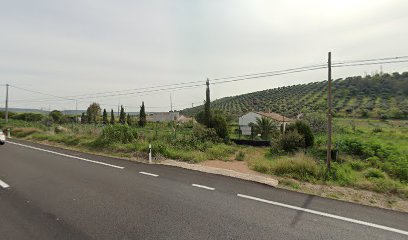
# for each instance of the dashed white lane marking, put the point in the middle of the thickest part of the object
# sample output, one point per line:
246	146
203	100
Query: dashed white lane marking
66	155
149	174
326	214
202	186
4	185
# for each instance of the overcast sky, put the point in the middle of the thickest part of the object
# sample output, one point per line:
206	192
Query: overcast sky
76	47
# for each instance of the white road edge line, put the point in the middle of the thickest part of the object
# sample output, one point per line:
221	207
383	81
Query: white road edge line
202	186
326	214
4	185
66	155
149	174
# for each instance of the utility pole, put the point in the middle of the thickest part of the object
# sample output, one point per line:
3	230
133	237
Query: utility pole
171	104
6	112
329	113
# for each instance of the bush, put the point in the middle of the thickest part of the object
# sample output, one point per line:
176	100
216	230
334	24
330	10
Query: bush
374	173
303	129
377	130
291	141
298	167
203	134
317	122
358	165
240	156
117	134
29	117
343	174
24	132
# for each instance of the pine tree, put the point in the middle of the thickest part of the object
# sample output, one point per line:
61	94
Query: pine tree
104	117
122	115
142	116
128	120
112	118
207	107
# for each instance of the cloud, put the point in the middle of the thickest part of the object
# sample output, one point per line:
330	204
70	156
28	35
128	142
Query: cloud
78	47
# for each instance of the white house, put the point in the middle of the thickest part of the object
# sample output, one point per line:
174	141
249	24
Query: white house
164	116
247	119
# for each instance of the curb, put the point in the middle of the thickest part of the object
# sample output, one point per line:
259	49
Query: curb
224	172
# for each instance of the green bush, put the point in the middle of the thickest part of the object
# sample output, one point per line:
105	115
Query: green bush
304	130
291	141
301	168
343	174
358	165
29	117
374	173
240	156
117	134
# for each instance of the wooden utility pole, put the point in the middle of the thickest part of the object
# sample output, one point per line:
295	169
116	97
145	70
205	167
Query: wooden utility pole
329	113
6	107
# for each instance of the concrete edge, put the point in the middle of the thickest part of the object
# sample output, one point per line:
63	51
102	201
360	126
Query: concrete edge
224	172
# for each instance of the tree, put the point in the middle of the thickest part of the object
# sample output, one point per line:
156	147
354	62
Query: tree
142	116
112	118
104	117
207	105
304	130
219	123
93	113
56	116
264	126
129	119
83	118
122	115
317	122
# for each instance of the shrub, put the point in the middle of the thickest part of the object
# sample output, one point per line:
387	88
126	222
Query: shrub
29	117
317	122
299	167
358	165
117	134
24	132
203	134
377	130
303	129
343	174
291	141
374	173
240	156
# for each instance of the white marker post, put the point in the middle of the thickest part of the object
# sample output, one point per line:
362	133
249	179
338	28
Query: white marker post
150	153
8	133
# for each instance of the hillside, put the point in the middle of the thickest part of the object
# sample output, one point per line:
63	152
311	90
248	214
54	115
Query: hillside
381	95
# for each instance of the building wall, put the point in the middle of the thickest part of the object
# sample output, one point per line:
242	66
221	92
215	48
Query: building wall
165	117
245	120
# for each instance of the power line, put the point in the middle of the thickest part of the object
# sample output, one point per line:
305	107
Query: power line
270	72
268	75
369	63
370	60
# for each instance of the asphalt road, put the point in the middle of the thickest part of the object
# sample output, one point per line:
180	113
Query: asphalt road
61	194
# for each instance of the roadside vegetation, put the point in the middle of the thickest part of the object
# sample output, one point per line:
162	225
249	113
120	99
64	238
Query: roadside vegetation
369	154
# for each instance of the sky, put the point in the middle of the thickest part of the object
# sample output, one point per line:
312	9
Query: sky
68	48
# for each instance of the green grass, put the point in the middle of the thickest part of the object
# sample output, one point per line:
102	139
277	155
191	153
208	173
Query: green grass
373	154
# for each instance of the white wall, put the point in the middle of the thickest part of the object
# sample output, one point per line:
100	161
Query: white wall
245	120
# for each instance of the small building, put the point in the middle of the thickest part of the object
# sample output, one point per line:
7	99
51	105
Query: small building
249	118
164	116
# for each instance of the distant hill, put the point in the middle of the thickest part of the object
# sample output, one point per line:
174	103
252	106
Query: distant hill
381	95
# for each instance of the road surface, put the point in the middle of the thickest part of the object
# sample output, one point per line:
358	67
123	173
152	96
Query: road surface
50	193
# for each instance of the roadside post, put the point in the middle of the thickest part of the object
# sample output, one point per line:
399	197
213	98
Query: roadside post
8	133
150	153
